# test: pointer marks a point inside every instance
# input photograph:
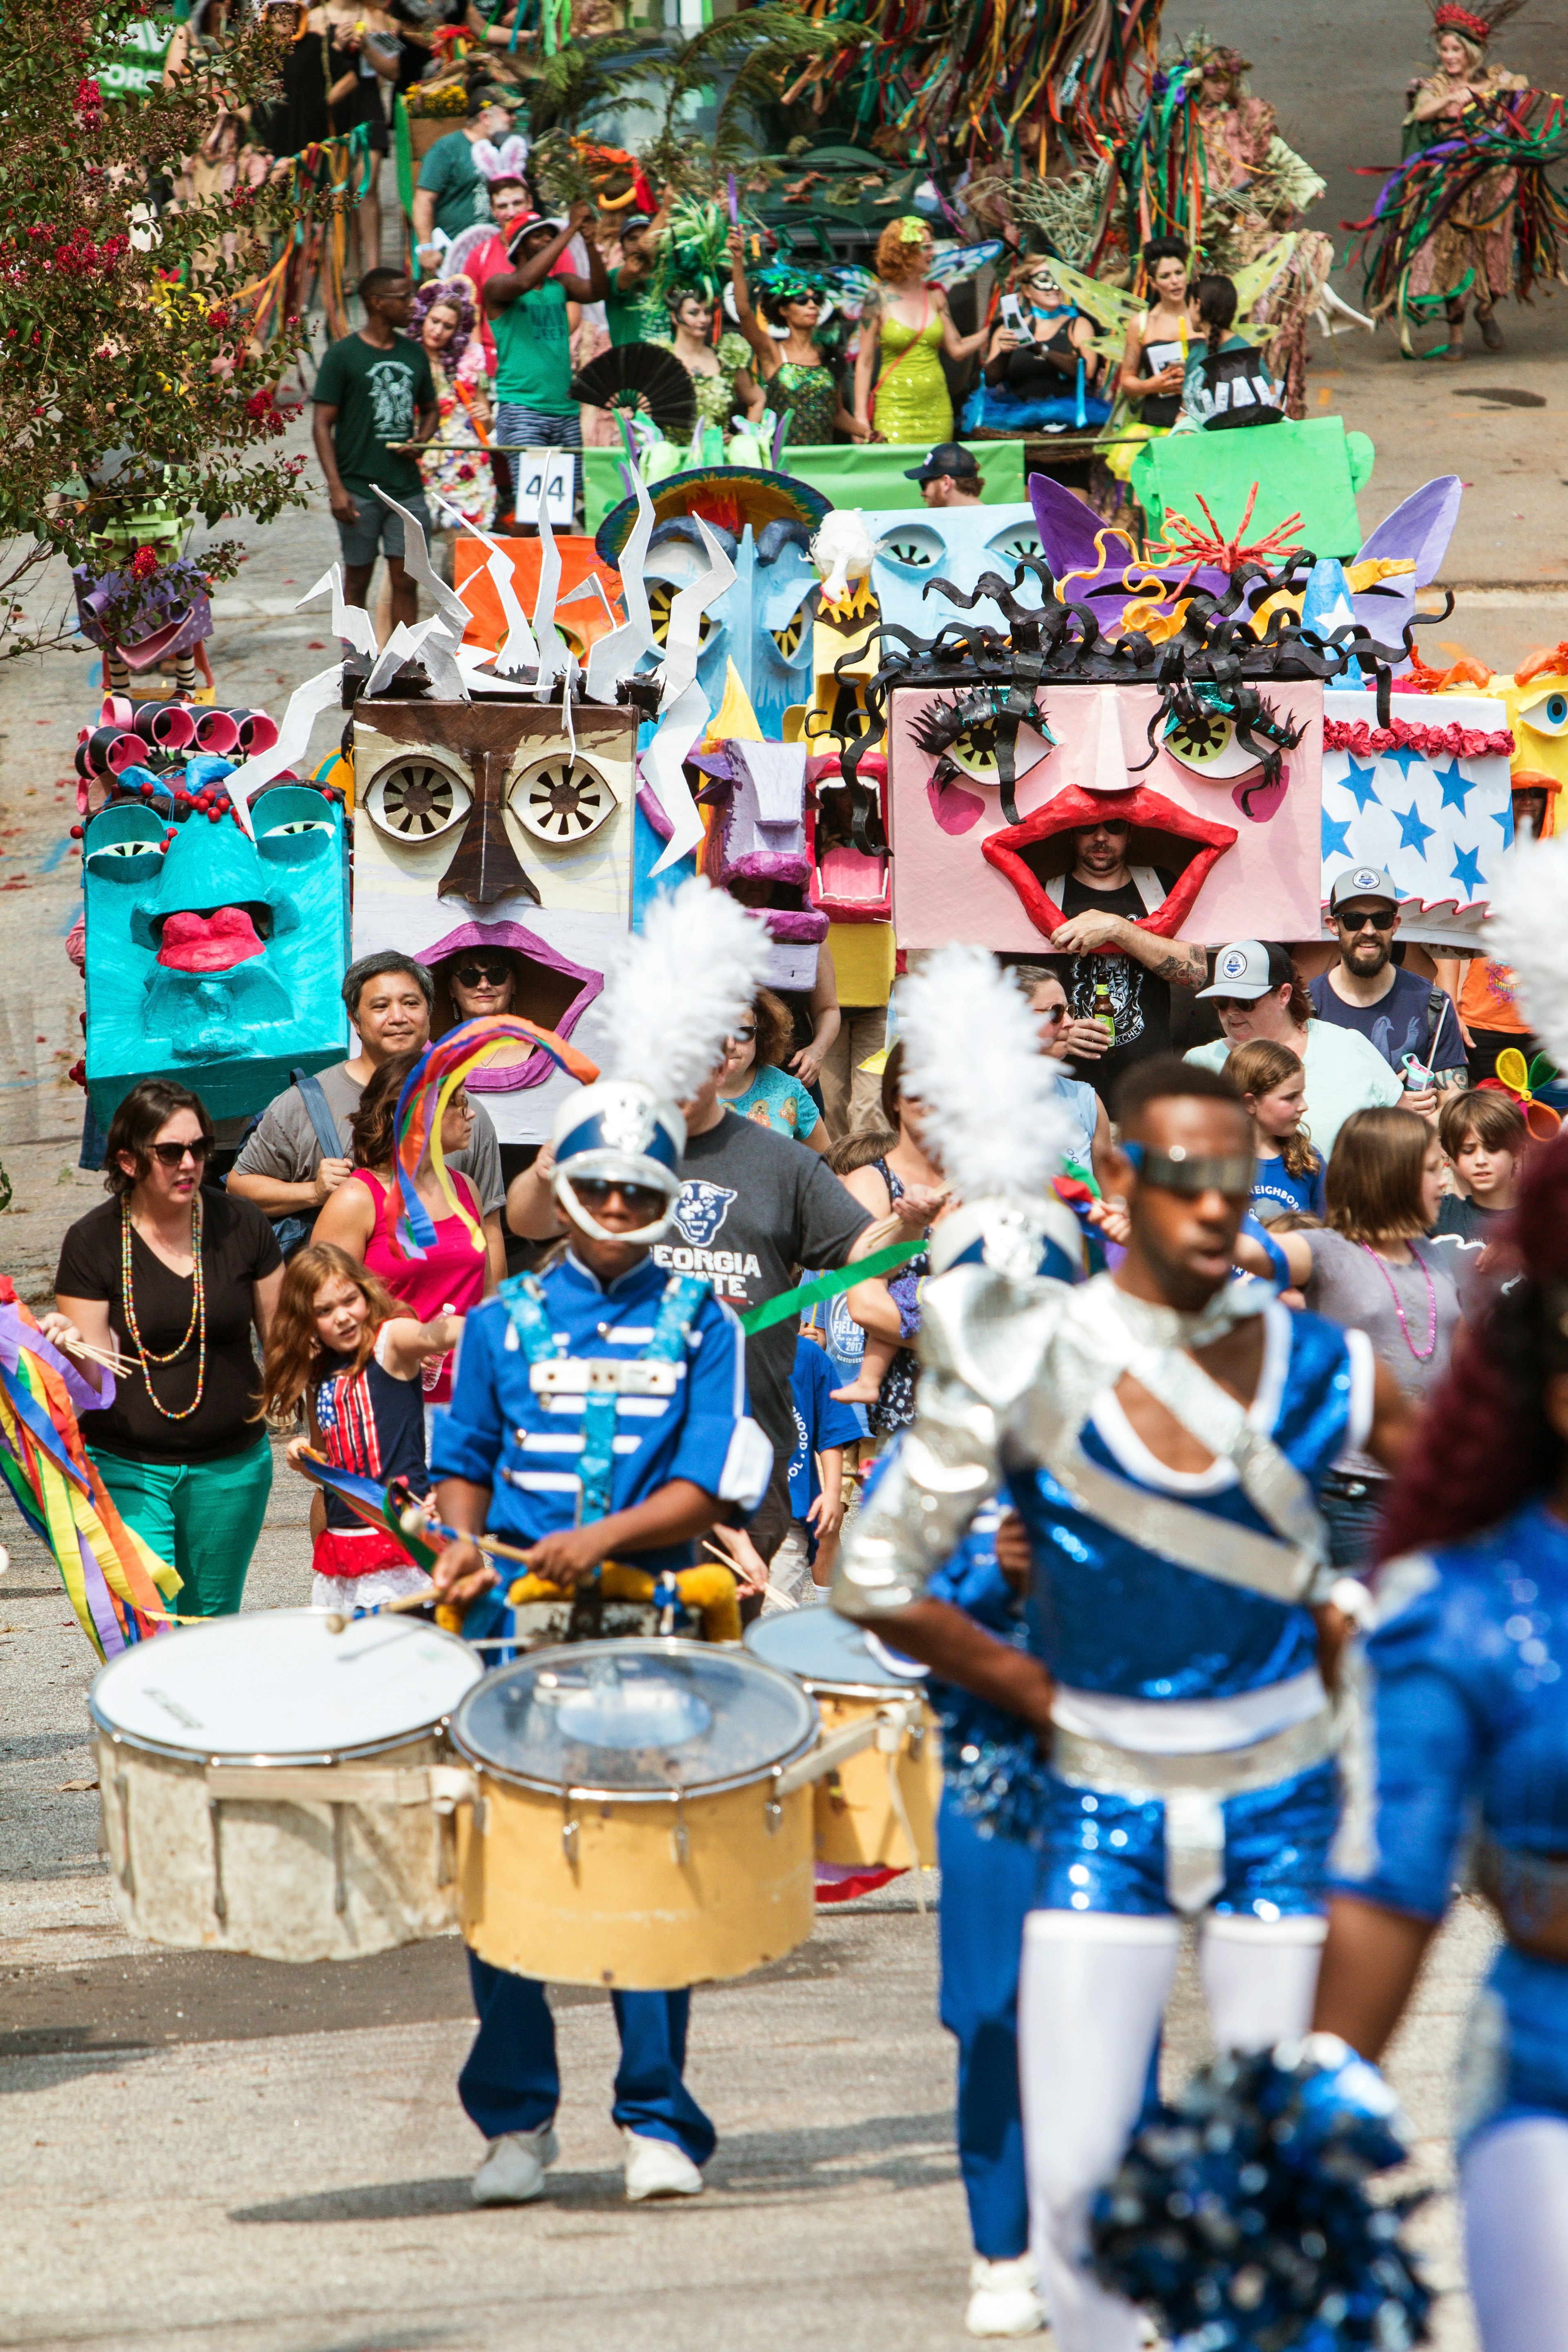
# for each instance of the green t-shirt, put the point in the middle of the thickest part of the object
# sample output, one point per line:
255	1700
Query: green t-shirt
534	351
633	317
378	395
450	174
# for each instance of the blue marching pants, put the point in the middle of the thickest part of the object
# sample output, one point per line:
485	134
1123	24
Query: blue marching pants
989	1885
511	2082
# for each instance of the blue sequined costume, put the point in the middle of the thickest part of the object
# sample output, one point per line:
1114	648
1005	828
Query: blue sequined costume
1471	1716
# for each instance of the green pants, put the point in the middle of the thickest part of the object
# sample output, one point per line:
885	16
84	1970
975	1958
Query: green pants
204	1516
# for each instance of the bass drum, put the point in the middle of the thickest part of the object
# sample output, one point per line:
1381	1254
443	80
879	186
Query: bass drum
877	1810
634	1826
271	1787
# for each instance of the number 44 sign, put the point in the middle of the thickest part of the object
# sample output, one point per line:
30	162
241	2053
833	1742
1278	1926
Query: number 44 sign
552	469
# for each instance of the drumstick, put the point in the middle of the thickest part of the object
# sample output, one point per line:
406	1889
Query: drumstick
336	1622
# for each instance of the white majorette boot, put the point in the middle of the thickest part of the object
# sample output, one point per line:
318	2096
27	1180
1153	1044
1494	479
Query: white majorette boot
514	2167
657	2168
1004	2297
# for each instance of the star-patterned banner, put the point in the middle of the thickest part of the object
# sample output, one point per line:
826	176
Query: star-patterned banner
1428	799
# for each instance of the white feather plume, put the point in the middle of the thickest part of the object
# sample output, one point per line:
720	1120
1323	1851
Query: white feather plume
677	988
995	1122
1527	930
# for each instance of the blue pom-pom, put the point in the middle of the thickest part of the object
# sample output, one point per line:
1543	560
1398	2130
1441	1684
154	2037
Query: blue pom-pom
1240	2217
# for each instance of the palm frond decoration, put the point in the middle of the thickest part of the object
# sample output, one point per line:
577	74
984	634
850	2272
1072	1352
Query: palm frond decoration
572	85
752	57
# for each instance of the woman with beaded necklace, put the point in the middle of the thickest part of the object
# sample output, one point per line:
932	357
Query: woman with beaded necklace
1373	1270
175	1278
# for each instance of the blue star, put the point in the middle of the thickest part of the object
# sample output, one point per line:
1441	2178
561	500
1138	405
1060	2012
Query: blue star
1504	816
1404	758
1467	869
1336	837
1455	786
1359	780
1413	834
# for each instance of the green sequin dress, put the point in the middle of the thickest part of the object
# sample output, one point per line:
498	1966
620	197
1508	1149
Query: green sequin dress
809	397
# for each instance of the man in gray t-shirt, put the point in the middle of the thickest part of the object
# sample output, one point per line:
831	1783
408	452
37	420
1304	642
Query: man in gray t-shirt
282	1167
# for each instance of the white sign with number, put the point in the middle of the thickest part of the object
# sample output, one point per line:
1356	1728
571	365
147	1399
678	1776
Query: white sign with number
553	469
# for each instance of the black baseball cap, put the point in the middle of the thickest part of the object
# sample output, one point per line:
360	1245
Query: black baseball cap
947	457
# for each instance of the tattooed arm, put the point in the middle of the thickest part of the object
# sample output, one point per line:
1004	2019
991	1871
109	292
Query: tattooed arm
1181	961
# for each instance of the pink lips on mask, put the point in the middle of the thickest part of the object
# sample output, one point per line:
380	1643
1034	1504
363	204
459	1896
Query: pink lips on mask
214	942
1260	801
954	809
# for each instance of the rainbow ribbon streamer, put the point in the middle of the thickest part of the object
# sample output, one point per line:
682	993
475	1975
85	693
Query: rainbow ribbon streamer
118	1590
379	1506
426	1091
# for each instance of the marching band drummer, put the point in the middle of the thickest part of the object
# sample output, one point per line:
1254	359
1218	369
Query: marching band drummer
625	1480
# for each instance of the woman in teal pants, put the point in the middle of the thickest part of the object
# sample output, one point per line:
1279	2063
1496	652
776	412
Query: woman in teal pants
176	1278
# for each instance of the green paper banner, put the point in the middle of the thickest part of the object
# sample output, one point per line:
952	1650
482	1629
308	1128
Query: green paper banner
828	1285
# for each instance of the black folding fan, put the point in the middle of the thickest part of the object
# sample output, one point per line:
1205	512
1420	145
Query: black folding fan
644	380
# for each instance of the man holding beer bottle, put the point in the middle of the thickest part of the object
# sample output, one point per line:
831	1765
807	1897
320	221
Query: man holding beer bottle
1118	978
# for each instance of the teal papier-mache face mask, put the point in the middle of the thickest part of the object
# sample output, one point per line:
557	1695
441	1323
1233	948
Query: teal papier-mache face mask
213	959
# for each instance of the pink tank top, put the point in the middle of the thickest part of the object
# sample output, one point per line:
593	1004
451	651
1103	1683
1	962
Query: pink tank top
451	1275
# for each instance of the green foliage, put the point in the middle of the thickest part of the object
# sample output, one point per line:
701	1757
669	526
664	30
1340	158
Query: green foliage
122	331
753	57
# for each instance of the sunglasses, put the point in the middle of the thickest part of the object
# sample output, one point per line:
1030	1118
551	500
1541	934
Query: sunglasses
1234	1003
1192	1174
1380	919
1053	1016
482	975
1108	825
598	1191
173	1155
742	1037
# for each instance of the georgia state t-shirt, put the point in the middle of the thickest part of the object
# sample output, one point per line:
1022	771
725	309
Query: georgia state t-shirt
754	1209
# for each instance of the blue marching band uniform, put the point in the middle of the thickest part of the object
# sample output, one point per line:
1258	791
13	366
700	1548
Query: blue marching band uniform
1469	1675
554	1454
1191	1767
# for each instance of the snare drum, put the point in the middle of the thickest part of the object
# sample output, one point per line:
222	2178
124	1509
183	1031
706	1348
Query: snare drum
242	1809
635	1826
850	1675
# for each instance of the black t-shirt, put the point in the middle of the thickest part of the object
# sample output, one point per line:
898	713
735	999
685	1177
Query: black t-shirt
1141	1003
238	1248
755	1207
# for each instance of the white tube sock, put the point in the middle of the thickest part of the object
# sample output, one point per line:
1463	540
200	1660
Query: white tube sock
1515	2182
1260	1977
1092	1992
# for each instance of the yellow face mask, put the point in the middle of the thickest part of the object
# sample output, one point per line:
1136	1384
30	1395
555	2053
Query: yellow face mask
1537	702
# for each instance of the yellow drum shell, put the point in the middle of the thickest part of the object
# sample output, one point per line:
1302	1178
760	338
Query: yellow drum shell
582	1889
856	1818
282	1879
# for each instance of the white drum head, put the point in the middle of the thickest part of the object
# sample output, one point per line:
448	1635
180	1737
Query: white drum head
829	1653
277	1684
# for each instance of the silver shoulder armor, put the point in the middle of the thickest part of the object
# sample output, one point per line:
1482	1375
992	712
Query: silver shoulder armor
982	1338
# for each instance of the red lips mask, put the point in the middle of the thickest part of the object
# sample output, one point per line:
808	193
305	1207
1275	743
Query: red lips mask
214	942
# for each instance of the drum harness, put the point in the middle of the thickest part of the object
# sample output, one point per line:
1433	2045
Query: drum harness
602	1381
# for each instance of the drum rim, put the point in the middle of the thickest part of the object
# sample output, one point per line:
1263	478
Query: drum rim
262	1760
838	1690
667	1645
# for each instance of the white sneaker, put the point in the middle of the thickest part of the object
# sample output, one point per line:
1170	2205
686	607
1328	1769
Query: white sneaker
1004	2297
514	2167
657	2168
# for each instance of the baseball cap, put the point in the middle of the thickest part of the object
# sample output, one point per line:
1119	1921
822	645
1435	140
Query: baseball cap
1249	969
947	457
1362	882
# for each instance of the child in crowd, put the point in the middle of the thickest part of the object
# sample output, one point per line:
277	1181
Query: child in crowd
1272	1083
1485	1136
340	1348
803	1564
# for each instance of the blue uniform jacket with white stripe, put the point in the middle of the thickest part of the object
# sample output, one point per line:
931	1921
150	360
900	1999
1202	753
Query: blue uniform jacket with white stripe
502	1432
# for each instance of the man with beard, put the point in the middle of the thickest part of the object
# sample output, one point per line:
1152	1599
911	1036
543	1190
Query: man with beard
1410	1019
1102	899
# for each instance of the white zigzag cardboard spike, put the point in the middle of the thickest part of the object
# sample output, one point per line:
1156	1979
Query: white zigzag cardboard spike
305	706
417	564
518	647
684	708
616	656
349	621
